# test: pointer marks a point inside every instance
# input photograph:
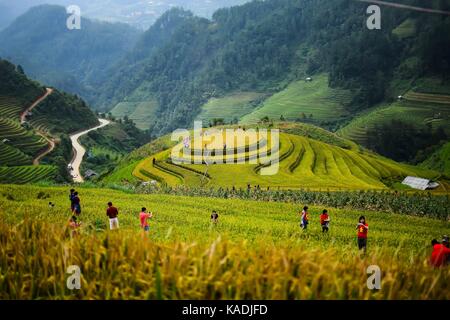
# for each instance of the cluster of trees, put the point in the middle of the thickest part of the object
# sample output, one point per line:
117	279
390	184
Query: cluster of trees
14	83
402	141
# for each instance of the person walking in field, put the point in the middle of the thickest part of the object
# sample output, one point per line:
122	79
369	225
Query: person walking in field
215	217
304	218
112	212
325	221
363	229
143	218
76	204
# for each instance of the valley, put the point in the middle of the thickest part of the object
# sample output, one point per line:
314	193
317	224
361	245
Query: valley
230	154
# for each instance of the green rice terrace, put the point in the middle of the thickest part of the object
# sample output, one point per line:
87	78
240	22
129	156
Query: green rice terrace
229	107
304	99
19	146
304	163
418	109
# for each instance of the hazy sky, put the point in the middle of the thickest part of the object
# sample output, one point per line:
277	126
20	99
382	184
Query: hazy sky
140	13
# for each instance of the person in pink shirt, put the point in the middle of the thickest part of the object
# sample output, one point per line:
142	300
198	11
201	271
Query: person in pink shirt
143	217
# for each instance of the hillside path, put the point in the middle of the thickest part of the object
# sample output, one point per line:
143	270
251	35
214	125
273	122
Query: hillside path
23	115
51	147
80	151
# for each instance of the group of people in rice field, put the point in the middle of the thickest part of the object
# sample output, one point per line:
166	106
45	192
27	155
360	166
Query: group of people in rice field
362	226
440	255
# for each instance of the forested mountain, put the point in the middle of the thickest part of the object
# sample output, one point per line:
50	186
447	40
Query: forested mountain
138	13
71	60
263	45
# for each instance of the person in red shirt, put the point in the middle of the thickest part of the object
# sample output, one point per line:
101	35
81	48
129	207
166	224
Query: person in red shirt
112	212
325	220
363	229
439	255
143	217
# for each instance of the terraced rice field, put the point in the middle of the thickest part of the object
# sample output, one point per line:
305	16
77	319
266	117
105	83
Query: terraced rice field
10	108
230	107
309	98
20	138
419	109
10	156
142	112
303	163
26	174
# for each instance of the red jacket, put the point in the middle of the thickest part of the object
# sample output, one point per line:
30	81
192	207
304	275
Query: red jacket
439	255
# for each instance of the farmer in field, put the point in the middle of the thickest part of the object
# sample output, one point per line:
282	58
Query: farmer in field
440	253
363	229
304	218
143	218
325	220
112	212
76	204
214	217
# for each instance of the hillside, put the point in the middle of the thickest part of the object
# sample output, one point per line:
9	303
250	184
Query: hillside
439	160
322	162
203	63
106	147
71	60
303	100
28	136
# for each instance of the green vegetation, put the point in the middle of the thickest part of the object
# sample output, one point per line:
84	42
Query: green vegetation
210	263
27	174
312	101
52	119
230	107
62	113
420	111
304	163
16	90
18	137
439	160
107	146
142	113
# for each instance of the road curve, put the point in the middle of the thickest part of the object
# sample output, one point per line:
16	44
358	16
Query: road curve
80	151
24	114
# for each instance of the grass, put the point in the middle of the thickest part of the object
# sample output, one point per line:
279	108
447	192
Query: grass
230	107
406	29
440	160
304	163
304	98
418	109
257	250
141	112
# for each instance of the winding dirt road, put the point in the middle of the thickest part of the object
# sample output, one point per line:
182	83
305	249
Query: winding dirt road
23	115
80	151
